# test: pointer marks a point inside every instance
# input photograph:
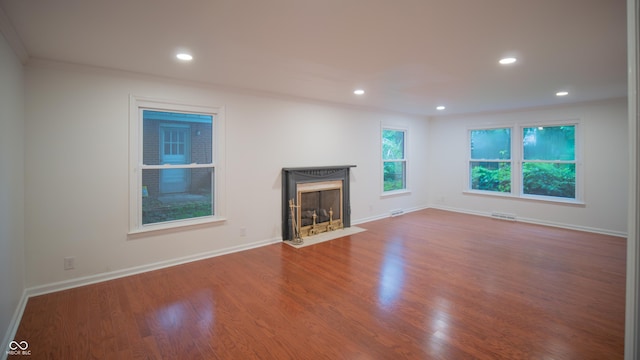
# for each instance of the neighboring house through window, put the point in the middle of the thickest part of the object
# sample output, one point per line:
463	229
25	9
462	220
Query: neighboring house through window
174	167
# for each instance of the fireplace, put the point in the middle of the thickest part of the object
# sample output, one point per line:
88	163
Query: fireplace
321	197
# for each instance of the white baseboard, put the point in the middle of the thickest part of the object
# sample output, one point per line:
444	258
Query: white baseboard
13	325
369	219
574	227
538	222
416	208
384	216
92	279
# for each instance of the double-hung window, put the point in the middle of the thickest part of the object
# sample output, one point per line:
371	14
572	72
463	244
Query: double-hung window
394	160
490	160
545	165
174	164
549	161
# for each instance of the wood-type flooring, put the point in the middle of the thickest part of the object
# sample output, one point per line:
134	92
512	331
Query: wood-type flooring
425	285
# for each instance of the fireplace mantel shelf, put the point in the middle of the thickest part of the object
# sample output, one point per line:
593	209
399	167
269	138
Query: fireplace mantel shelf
318	168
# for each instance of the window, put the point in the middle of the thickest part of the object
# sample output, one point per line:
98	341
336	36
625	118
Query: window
549	161
394	161
546	165
174	172
490	160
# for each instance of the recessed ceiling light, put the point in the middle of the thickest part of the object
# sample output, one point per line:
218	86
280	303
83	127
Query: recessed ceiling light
562	93
508	60
184	56
441	107
358	92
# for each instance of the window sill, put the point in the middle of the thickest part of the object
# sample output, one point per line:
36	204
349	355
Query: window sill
547	199
395	192
176	225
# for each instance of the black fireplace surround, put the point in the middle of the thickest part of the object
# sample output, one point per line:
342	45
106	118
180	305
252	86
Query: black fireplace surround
291	177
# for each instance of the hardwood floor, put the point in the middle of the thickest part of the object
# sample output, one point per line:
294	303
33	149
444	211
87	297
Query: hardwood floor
425	285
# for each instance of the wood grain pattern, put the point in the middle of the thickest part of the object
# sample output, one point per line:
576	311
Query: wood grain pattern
425	285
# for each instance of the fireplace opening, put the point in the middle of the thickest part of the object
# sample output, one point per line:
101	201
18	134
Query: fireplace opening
320	205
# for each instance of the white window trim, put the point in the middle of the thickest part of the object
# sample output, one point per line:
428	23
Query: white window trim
469	160
579	194
517	159
136	105
406	189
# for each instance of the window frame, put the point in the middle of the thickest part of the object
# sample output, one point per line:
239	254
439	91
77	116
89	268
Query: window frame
517	160
511	161
137	105
578	199
404	160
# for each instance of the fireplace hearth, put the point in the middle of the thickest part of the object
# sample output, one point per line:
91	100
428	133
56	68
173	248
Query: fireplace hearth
321	198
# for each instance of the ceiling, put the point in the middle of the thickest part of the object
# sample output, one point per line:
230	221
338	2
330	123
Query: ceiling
408	55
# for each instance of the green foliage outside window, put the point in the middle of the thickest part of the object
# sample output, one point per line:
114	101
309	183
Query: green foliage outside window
491	176
393	154
549	167
392	145
394	175
549	179
490	166
548	161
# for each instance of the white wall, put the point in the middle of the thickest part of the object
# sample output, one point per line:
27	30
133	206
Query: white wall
12	256
605	154
77	167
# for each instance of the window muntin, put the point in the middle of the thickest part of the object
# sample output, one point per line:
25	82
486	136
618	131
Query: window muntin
490	160
394	161
176	164
549	161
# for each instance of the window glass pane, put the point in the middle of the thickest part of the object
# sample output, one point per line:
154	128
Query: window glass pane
549	143
176	138
392	144
549	179
394	175
491	144
175	194
491	176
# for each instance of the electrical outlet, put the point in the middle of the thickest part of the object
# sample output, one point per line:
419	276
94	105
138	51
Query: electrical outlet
69	263
243	231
